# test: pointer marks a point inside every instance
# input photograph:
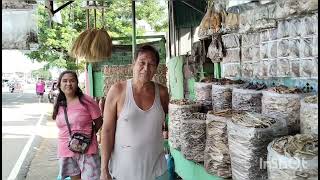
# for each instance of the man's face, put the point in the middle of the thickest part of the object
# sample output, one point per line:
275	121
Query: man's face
145	67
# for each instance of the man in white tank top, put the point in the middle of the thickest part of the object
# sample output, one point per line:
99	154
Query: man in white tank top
132	141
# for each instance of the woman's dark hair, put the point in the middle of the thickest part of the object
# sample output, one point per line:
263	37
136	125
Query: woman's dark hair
61	99
148	48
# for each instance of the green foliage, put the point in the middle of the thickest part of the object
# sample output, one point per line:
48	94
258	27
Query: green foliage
41	73
55	40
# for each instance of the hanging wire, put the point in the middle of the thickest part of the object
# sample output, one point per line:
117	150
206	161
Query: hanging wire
102	15
95	14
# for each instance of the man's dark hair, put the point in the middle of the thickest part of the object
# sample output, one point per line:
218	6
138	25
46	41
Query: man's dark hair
148	48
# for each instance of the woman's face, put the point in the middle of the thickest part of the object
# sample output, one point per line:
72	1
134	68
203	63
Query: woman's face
68	84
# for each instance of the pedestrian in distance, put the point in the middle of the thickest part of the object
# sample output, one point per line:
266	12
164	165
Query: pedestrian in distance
78	118
40	89
132	141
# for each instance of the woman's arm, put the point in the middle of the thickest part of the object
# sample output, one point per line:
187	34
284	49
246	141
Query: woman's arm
97	124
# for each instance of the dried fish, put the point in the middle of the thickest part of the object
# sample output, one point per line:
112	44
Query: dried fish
217	158
246	100
285	90
248	137
311	99
225	81
193	136
203	95
221	97
293	157
178	110
286	106
203	92
309	115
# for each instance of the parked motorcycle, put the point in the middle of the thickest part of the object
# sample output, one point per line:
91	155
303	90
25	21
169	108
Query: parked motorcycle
52	95
11	88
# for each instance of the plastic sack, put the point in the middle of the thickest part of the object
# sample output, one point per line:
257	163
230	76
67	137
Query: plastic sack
193	136
215	49
246	100
281	167
176	114
216	154
210	23
309	116
203	95
231	21
286	106
221	97
248	148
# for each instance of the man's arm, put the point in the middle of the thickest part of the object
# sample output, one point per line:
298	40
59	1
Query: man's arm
108	130
164	97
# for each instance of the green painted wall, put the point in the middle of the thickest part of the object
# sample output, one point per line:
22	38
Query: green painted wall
90	79
98	80
189	170
121	55
175	67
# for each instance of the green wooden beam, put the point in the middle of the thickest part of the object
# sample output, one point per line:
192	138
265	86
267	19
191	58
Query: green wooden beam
90	77
133	29
217	70
139	37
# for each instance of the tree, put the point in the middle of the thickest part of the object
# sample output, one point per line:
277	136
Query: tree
41	73
56	40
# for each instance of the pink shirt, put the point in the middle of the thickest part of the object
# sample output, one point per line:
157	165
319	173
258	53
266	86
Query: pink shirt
40	87
80	118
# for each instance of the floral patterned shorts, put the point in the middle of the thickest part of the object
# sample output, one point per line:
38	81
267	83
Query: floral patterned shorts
86	165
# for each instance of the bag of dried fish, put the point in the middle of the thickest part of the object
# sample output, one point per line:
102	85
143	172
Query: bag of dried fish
309	115
248	137
178	109
203	95
216	154
281	104
246	100
222	97
193	136
293	157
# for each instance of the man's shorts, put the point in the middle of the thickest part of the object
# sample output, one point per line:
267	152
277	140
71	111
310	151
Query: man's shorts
86	165
39	93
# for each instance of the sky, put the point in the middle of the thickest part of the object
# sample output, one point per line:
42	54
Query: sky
16	61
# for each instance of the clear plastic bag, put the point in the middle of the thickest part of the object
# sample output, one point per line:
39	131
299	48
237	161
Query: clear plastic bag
193	136
282	167
246	100
216	156
176	114
248	148
308	117
215	49
286	106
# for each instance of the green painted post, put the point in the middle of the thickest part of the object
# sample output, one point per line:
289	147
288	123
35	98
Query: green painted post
134	29
217	70
90	77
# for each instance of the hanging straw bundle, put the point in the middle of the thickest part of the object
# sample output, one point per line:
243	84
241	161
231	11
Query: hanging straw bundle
84	50
101	46
77	44
93	44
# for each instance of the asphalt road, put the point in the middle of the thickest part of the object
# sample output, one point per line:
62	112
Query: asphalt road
22	116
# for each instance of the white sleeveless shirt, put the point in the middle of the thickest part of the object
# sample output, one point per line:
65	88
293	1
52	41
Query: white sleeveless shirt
138	152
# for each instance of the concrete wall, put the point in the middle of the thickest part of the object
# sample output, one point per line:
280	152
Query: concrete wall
19	26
